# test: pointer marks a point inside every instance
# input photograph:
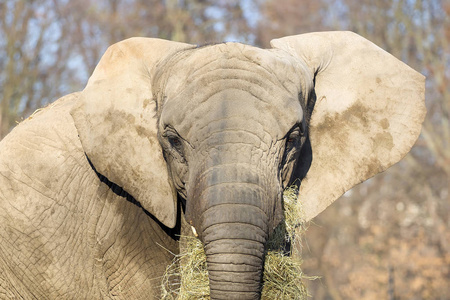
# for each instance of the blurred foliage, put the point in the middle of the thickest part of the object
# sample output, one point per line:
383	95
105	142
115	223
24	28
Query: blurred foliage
386	238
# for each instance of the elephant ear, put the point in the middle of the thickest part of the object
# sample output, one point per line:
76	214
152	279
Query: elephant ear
368	112
116	121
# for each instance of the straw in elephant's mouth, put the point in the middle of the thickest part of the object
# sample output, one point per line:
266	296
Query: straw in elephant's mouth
187	276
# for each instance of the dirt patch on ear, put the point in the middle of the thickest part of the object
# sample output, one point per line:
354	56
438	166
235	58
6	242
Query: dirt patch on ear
371	168
359	112
385	123
339	129
355	140
384	140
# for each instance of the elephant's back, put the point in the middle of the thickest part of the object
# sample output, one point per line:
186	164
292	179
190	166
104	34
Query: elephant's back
38	151
44	128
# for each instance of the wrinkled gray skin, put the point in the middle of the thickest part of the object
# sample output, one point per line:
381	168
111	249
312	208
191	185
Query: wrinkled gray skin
96	188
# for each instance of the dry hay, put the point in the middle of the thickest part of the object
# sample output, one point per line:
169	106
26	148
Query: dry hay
187	277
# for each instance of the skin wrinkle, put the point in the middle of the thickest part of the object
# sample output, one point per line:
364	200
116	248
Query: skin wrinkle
234	291
252	258
23	276
225	183
231	65
232	280
204	150
231	271
166	66
230	119
197	184
224	87
67	143
66	184
226	143
213	60
6	265
227	294
203	175
211	236
276	75
78	169
131	258
211	259
234	204
233	223
213	254
242	270
269	71
15	176
162	71
263	225
22	213
254	89
222	164
253	77
103	219
176	156
250	241
37	135
125	280
48	189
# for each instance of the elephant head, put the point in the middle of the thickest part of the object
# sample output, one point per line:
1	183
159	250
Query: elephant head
228	126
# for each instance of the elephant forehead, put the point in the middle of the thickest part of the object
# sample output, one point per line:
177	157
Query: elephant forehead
235	83
203	66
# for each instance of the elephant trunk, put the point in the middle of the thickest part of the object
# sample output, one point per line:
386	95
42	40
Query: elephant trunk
234	245
234	229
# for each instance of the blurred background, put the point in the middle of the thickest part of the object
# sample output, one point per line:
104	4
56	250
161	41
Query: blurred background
388	238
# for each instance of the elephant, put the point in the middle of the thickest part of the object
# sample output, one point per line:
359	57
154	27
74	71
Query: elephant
168	138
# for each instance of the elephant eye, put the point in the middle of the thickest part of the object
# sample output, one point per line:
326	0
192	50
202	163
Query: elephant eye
291	141
174	142
293	138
